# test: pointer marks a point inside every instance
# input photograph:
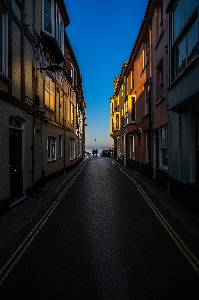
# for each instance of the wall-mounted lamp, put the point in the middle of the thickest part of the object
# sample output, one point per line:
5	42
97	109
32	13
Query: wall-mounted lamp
52	68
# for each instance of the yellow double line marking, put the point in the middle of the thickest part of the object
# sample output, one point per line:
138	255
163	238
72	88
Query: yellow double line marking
175	237
9	265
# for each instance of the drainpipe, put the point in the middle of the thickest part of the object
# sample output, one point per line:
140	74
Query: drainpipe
150	85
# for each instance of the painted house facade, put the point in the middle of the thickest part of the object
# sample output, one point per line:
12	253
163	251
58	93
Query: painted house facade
42	106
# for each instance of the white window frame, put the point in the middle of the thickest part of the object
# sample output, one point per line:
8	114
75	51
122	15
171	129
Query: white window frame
72	74
51	148
72	149
163	145
52	18
4	41
132	145
60	37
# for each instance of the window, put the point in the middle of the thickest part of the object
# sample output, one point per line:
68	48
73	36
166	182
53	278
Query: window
117	121
146	51
132	151
164	146
160	81
160	20
126	113
147	147
72	149
59	30
185	35
133	108
71	114
60	145
146	92
49	93
48	16
3	42
72	74
51	148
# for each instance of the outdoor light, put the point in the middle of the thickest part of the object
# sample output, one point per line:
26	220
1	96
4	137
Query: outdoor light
52	68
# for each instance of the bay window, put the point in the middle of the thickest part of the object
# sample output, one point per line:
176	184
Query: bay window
48	16
185	35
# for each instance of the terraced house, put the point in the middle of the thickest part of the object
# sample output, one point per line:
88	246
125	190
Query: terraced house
42	106
143	99
158	107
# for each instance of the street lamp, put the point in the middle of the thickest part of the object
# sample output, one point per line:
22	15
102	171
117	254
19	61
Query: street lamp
52	68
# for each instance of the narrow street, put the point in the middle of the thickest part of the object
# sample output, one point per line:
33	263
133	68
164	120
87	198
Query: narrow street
103	236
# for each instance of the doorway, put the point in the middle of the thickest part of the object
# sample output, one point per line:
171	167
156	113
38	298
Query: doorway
15	158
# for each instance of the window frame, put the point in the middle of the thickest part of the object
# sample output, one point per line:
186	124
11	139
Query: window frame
176	41
49	92
4	42
52	18
51	144
60	37
163	146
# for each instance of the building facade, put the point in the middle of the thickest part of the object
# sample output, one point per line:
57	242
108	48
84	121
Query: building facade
42	106
160	128
183	103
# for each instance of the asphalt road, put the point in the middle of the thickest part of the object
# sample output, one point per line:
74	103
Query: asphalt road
102	236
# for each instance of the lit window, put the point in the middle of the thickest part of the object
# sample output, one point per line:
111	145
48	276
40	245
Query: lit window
51	148
3	42
117	121
49	93
185	35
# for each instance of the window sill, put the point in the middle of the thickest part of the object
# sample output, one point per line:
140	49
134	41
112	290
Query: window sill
160	37
145	116
5	79
192	63
164	169
50	160
161	99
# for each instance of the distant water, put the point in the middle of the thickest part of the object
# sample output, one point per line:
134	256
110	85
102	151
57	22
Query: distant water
88	149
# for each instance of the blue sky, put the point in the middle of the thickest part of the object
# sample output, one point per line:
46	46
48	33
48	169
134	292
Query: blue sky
102	34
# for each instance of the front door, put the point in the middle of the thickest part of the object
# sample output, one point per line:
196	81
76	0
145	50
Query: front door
197	151
15	162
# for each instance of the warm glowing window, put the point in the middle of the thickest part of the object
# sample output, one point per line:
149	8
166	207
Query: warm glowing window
49	93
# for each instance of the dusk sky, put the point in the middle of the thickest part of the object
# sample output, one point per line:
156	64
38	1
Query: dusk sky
102	34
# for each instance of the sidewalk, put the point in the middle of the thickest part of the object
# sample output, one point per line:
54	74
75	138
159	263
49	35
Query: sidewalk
12	222
188	221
